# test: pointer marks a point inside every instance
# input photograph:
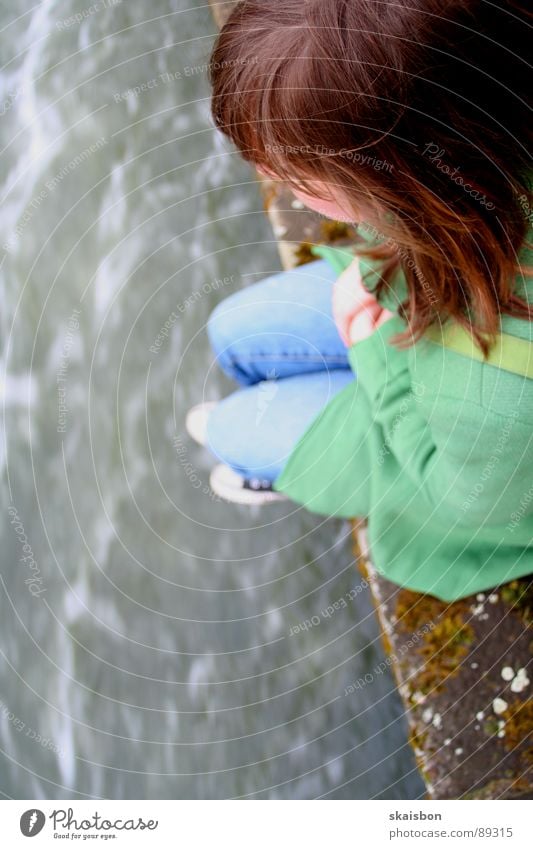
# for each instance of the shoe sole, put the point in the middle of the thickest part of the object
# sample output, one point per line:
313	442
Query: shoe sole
191	418
225	483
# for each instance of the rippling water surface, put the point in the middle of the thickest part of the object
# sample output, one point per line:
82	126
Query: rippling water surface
146	636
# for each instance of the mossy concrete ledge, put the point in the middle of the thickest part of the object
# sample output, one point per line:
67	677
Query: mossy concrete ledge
461	668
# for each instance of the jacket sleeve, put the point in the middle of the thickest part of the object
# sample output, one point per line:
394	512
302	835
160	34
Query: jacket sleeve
468	463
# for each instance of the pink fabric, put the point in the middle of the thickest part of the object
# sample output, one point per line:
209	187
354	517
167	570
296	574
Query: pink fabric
355	310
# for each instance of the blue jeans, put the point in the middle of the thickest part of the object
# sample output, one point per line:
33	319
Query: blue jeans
277	338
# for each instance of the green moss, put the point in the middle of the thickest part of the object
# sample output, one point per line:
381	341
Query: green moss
491	727
361	563
519	728
303	253
414	610
519	596
444	647
418	741
387	645
269	192
334	231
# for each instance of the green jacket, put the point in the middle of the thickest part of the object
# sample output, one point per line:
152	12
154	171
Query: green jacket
435	447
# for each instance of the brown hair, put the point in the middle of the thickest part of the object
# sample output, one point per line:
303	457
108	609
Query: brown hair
419	110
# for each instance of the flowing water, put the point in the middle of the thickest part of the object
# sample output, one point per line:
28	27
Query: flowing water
149	643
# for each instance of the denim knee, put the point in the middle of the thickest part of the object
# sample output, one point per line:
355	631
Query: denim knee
225	437
223	330
280	326
238	437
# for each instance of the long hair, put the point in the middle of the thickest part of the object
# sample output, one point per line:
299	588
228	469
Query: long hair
418	111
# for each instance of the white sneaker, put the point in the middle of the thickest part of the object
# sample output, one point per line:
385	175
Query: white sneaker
196	421
231	486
